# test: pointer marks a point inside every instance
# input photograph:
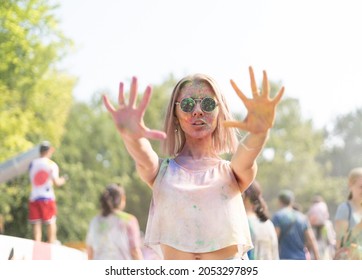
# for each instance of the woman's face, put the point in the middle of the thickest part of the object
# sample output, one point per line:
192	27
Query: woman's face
197	123
356	189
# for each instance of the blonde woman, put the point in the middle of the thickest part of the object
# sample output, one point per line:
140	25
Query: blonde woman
197	211
348	217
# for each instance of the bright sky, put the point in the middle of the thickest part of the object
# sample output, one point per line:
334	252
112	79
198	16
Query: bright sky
313	47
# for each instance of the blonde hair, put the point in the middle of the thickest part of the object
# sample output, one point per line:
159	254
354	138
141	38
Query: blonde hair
353	175
224	139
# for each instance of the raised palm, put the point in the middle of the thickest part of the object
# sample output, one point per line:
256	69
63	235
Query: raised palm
261	108
128	118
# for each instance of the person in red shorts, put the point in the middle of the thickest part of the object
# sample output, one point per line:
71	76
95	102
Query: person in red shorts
44	173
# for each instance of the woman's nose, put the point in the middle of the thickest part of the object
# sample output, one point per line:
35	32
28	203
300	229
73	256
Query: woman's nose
197	110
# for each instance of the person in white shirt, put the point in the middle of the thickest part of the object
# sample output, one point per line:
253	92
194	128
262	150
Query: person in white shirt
44	174
262	229
114	234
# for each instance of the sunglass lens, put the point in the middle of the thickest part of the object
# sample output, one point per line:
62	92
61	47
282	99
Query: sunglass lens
187	104
208	104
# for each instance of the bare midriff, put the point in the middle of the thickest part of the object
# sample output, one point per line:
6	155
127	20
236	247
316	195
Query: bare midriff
171	253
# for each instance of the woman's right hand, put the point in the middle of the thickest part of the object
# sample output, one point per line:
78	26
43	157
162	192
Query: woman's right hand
128	118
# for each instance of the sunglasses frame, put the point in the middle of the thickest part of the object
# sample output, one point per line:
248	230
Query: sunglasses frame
195	100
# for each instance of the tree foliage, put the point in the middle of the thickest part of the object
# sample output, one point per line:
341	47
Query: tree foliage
35	96
343	144
31	42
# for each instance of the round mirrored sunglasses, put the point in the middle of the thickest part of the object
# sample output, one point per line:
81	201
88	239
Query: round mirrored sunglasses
188	104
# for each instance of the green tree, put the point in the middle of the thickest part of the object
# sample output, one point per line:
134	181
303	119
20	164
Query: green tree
341	151
343	144
30	41
35	96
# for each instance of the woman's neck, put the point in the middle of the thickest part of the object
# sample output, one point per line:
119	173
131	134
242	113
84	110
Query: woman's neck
198	148
197	151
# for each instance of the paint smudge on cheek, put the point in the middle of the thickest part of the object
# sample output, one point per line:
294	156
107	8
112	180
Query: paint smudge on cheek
184	119
211	118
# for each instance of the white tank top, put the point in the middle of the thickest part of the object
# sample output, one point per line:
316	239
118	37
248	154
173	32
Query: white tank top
197	211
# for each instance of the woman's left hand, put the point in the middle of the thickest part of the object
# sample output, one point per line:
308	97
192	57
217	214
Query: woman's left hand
261	108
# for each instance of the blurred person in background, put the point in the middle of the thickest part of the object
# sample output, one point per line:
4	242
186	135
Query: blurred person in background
262	229
114	234
348	220
44	174
318	215
294	231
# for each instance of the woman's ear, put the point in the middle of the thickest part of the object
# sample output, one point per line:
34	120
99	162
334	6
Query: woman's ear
176	122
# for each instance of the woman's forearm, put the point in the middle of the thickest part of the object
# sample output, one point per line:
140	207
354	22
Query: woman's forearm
243	162
145	157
